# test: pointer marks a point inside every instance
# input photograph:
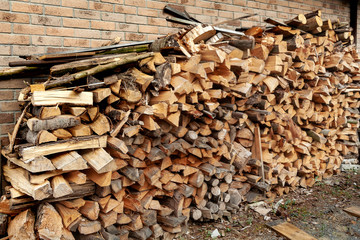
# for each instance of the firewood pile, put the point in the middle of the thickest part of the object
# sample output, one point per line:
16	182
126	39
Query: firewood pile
123	145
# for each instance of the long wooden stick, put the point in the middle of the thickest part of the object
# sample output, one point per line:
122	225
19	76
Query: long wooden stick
187	22
258	139
102	48
17	70
231	20
16	128
95	70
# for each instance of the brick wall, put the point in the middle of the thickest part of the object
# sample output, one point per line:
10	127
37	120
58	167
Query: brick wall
39	26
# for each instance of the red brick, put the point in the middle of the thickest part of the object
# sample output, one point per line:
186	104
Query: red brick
76	23
194	10
6	117
14	39
59	11
17	114
29	29
175	25
14	17
26	7
59	49
5	50
283	15
148	29
280	2
204	4
140	3
226	14
46	20
4	62
229	1
75	42
209	12
127	27
48	2
65	32
46	40
166	30
148	12
103	25
112	35
157	5
75	3
253	4
4	141
4	5
6	128
157	21
114	1
136	19
239	2
134	37
203	18
27	50
187	2
125	9
97	43
219	6
9	106
115	17
88	14
7	95
101	6
153	36
5	27
87	33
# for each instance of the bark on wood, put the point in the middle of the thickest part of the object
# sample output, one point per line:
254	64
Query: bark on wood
95	70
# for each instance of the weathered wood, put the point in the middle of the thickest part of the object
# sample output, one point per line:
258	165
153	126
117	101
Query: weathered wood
90	210
69	216
290	231
353	210
40	137
18	179
22	226
61	146
69	161
87	227
117	144
98	159
95	70
60	187
102	180
38	164
62	121
48	222
51	98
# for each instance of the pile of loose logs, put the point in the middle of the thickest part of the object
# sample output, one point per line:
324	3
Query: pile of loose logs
136	144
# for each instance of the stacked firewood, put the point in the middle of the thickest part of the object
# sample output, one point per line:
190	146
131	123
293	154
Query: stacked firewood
136	144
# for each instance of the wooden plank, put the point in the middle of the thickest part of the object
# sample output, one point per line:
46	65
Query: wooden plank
353	210
51	98
289	231
62	146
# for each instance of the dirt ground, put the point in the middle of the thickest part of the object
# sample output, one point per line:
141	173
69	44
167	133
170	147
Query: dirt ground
317	211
